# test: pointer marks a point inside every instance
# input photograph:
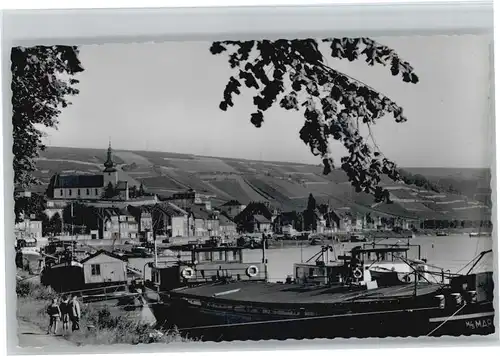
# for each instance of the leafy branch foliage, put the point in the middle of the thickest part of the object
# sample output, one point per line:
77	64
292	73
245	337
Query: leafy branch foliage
25	207
42	79
83	217
295	74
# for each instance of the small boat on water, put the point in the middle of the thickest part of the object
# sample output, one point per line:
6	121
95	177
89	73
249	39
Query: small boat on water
371	291
138	252
357	238
480	234
251	242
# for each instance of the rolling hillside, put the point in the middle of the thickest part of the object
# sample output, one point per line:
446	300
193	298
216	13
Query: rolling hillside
283	184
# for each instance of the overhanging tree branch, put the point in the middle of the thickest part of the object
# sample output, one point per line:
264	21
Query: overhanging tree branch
42	81
332	102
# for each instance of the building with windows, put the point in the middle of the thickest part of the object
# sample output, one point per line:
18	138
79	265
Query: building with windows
71	187
28	229
202	222
90	186
104	268
227	227
261	223
117	224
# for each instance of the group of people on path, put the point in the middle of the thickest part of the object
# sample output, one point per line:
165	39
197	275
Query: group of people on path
68	310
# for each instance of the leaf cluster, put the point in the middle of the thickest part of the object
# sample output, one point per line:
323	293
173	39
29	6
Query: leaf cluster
42	81
295	75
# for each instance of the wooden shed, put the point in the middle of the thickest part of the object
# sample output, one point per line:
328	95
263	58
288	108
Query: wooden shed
104	268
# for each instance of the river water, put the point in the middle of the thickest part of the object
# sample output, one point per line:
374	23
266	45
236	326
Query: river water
448	252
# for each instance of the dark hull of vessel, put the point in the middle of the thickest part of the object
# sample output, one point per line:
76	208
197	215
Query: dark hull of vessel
210	324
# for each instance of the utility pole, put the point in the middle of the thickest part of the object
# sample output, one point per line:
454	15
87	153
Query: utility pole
28	226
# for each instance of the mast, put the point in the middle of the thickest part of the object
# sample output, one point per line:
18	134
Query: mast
480	257
264	248
415	285
156	253
72	221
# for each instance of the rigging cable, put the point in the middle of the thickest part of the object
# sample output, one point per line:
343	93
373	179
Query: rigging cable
447	319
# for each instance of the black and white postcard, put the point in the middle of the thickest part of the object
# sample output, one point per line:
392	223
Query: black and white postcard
267	189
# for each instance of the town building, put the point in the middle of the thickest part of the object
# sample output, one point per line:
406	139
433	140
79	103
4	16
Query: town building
90	186
177	220
28	228
288	230
144	217
168	220
186	199
117	224
227	227
261	224
202	222
232	208
54	207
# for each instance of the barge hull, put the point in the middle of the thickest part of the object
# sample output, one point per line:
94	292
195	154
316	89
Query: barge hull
216	325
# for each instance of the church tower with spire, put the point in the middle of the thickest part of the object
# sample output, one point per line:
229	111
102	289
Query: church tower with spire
110	172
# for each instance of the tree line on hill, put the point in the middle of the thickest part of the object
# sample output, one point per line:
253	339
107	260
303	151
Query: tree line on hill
425	183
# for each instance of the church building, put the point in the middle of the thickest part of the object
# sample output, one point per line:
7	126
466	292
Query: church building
90	186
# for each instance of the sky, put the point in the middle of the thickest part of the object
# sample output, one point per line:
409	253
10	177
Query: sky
165	97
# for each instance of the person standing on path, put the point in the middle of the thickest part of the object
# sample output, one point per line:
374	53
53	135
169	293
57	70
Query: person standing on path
75	314
64	307
54	316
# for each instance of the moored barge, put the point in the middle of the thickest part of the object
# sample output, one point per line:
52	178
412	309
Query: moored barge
371	292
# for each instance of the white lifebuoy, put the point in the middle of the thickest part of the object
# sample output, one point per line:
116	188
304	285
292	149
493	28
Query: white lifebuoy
252	271
187	273
357	273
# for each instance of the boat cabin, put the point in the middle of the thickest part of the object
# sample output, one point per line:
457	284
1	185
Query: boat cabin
371	265
139	252
56	246
207	265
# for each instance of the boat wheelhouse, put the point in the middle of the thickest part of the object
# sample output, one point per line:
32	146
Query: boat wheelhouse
203	264
367	264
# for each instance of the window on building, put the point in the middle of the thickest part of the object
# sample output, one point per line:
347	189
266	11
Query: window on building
237	256
96	192
95	270
69	193
208	256
230	256
61	192
155	277
219	255
78	191
88	191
